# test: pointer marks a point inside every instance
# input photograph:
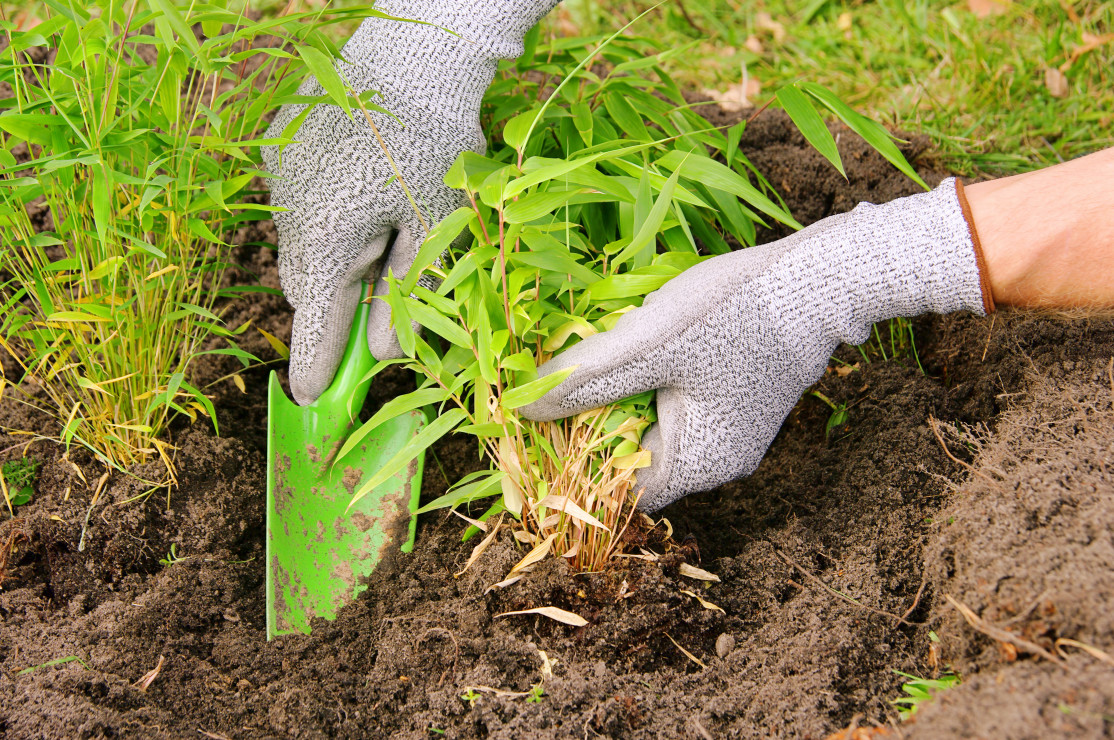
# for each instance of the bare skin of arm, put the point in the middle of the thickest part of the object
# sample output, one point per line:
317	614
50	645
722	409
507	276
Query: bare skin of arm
1048	236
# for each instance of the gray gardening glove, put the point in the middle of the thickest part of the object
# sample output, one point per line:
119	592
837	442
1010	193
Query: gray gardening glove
732	343
347	220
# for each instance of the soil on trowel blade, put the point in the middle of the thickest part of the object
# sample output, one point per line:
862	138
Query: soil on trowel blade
846	557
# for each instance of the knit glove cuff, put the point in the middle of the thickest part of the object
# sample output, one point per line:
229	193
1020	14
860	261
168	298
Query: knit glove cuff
450	60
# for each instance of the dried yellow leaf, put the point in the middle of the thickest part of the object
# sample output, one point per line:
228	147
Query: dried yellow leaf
559	615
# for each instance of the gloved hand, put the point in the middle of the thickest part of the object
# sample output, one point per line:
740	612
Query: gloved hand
732	343
347	219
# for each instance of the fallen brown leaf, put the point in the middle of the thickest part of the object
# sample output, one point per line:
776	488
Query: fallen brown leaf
753	45
552	612
1090	43
148	678
737	97
1056	82
984	8
691	571
765	22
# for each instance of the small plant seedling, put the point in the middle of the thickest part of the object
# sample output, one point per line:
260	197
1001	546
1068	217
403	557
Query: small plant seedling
172	557
436	730
537	693
56	661
18	479
921	691
470	696
838	416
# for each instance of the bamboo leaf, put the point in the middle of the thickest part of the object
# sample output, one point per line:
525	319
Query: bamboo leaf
872	132
566	505
560	615
429	434
536	205
540	551
478	550
648	231
473	491
691	571
276	344
810	124
437	322
535	389
439	239
321	66
711	173
394	408
704	603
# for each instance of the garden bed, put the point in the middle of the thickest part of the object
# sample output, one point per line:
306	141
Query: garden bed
834	560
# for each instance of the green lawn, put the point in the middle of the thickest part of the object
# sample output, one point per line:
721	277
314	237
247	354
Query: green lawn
979	86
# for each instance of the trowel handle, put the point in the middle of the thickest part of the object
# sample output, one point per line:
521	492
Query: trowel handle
342	400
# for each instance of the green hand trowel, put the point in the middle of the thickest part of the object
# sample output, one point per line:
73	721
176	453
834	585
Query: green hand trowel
319	552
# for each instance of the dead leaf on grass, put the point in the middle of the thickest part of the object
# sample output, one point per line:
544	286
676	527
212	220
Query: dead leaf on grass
1090	43
753	45
1056	82
737	97
765	22
986	8
559	615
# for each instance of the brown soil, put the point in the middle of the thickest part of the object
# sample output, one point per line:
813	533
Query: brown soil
835	559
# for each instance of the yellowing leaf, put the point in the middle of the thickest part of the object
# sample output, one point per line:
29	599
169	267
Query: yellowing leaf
76	316
478	550
563	504
159	273
703	603
552	612
636	460
538	553
277	344
239	381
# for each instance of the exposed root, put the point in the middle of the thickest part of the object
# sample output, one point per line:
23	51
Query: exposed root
1000	635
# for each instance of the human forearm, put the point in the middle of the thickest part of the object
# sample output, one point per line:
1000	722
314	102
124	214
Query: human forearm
1048	235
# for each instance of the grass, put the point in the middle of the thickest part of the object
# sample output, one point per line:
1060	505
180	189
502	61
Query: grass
140	140
920	691
976	85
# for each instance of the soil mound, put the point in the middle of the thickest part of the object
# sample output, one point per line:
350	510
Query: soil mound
836	560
